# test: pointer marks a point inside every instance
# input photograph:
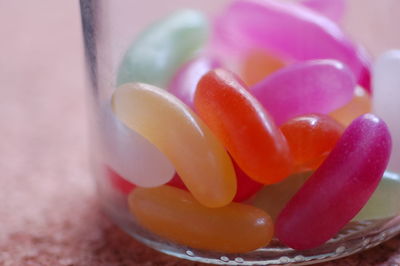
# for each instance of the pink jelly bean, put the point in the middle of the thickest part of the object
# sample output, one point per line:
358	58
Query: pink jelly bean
318	86
130	154
333	9
290	30
184	83
246	187
121	184
339	188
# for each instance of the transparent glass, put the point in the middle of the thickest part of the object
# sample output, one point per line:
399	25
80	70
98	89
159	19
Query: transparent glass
109	28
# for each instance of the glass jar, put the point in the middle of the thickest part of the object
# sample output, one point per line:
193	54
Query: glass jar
160	148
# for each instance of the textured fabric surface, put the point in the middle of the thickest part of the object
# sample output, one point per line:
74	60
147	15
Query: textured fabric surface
48	208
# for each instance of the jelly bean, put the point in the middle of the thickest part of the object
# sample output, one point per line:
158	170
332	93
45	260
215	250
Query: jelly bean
386	81
273	198
259	64
177	182
339	188
184	83
246	187
303	34
159	52
175	215
359	105
165	121
333	9
311	138
384	202
319	86
119	182
243	126
131	155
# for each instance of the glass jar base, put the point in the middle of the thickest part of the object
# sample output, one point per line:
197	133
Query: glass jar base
355	237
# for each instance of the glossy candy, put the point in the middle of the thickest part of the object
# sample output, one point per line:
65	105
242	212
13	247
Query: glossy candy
333	9
259	64
118	182
302	35
177	182
165	121
246	187
158	52
273	198
125	187
386	99
318	86
243	126
311	138
131	155
359	105
184	83
339	188
384	202
175	215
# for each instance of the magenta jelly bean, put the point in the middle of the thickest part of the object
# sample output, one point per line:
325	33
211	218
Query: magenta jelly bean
288	29
184	83
333	9
317	86
339	188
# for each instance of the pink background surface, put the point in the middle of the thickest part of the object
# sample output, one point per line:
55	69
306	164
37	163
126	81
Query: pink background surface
48	208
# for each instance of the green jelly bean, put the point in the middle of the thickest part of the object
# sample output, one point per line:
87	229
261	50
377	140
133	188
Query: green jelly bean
385	202
273	198
165	46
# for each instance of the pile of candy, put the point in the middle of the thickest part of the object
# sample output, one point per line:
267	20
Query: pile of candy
286	147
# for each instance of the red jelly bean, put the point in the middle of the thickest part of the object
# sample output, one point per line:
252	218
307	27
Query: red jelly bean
125	187
246	187
177	182
118	182
243	126
311	138
339	188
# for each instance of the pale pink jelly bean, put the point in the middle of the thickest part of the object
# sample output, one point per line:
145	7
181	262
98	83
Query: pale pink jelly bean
184	83
130	155
317	86
288	29
333	9
338	190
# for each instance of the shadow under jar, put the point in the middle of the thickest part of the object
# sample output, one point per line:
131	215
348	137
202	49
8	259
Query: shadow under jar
248	132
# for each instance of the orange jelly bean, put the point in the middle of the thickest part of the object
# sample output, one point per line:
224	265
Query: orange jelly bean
311	138
259	64
199	158
243	126
359	105
174	214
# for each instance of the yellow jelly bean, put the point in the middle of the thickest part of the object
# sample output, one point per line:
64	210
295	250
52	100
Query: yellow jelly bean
273	198
361	104
174	214
198	157
258	64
